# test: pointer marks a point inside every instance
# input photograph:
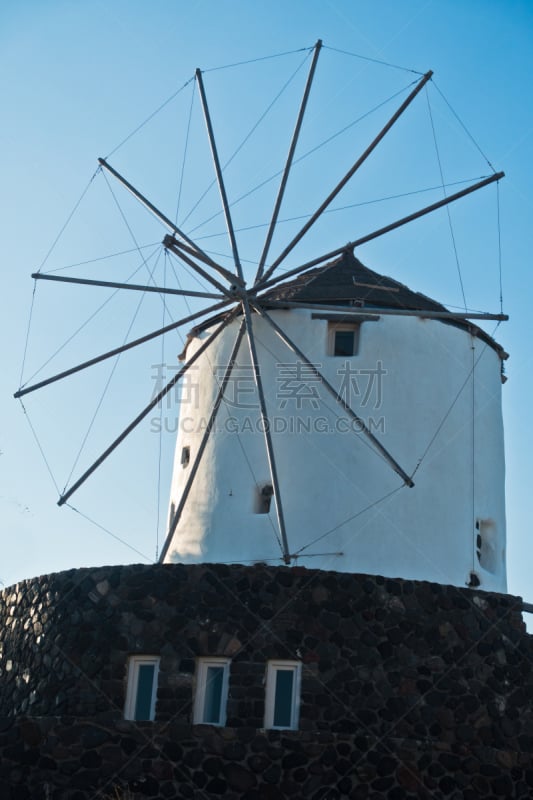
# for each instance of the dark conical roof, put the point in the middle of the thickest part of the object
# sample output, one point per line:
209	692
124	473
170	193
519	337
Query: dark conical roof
346	281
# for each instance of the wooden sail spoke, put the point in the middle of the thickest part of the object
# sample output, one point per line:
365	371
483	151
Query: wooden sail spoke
152	404
265	284
224	288
203	444
266	431
117	350
218	171
351	172
131	286
150	206
340	400
288	164
187	242
182	250
428	209
365	311
174	247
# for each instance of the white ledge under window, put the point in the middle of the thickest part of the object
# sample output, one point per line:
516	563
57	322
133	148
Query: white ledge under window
141	690
282	698
211	693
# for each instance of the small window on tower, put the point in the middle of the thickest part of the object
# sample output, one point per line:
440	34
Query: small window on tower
142	688
343	339
185	456
211	691
282	698
263	498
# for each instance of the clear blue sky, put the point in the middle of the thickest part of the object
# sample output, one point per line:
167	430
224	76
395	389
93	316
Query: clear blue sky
79	77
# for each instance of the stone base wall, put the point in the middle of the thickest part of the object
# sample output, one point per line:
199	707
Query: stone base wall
408	689
69	759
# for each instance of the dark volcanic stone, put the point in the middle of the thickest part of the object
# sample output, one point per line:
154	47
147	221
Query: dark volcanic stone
408	689
239	778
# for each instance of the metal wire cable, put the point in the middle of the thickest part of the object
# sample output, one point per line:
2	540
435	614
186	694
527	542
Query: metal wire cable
372	60
39	446
52	247
473	443
109	533
454	401
224	403
107	383
246	138
349	519
499	244
126	223
102	258
181	89
463	126
255	60
185	151
333	411
306	154
88	320
229	257
444	192
344	208
28	329
148	118
160	443
255	480
128	226
65	225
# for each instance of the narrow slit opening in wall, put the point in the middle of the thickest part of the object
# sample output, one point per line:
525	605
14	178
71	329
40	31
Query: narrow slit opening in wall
263	498
185	456
486	545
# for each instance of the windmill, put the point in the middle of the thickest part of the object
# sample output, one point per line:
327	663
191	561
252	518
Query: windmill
279	498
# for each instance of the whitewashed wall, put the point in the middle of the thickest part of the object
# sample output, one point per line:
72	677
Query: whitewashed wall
331	478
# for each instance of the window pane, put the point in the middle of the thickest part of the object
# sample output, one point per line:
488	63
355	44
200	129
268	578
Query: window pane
344	343
145	685
213	694
283	698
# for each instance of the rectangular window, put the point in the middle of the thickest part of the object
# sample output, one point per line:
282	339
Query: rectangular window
282	700
142	688
211	691
343	339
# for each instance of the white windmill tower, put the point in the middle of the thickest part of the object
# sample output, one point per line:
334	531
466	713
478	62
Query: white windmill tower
361	378
338	414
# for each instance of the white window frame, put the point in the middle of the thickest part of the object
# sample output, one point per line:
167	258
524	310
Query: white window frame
273	667
353	327
134	664
202	667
